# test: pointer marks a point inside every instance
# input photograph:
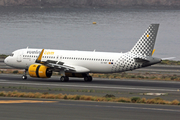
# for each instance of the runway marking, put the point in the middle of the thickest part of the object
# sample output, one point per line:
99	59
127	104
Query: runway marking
3	80
80	86
24	101
123	107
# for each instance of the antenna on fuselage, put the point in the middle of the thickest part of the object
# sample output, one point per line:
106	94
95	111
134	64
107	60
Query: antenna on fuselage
27	47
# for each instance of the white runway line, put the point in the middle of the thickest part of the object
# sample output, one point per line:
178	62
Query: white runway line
124	107
2	80
80	86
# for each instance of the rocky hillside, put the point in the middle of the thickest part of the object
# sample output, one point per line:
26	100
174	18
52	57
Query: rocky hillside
93	3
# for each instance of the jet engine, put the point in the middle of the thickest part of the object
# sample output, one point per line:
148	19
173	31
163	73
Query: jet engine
40	71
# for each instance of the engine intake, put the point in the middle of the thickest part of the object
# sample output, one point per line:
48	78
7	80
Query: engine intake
39	71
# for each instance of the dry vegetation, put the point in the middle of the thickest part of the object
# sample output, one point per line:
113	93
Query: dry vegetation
170	62
150	76
3	56
106	98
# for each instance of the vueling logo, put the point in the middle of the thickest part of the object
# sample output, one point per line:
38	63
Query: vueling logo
48	53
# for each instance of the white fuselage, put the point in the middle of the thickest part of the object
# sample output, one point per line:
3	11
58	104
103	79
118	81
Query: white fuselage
82	61
94	61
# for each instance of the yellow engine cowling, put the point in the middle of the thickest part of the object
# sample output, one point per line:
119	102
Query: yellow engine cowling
40	71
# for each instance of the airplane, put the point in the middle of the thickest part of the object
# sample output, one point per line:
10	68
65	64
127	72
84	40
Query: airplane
41	63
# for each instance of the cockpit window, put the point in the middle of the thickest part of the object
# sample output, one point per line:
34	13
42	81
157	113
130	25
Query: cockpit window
11	54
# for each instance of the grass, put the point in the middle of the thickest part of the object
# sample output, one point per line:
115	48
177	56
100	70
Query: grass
170	62
3	56
150	76
60	89
88	98
135	99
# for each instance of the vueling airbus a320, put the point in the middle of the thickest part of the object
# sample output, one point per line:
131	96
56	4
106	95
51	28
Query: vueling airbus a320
41	63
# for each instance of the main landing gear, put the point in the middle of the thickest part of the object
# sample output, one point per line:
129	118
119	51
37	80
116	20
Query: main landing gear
24	77
88	78
64	79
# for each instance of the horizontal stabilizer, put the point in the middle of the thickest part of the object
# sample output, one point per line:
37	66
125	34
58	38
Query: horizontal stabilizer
168	58
141	60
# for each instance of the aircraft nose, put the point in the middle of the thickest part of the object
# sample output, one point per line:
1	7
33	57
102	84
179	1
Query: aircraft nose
6	61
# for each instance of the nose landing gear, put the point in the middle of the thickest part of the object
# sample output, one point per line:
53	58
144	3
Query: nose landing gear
24	77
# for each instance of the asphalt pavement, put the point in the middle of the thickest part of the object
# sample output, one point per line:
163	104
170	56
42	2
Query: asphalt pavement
98	87
85	110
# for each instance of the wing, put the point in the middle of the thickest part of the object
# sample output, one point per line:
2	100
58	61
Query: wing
58	65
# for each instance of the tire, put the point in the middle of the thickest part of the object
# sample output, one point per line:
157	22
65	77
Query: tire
24	77
64	79
88	79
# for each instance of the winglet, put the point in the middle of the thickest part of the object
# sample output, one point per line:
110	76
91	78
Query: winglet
153	52
38	60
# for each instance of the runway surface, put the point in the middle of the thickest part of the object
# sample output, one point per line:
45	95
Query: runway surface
123	88
84	110
26	108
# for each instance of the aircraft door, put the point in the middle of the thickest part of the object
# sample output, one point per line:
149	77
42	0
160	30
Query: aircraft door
19	56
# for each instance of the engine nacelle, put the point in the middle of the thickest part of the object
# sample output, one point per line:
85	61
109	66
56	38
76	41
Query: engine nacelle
40	71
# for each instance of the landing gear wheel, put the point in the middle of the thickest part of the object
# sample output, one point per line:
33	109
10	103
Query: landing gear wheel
64	79
24	77
88	79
